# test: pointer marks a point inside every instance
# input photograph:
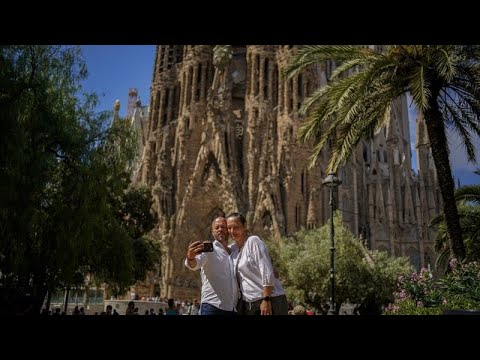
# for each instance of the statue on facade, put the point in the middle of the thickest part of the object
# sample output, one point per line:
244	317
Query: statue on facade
222	54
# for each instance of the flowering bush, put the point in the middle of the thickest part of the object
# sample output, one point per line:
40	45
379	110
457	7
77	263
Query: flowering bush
420	294
416	295
463	282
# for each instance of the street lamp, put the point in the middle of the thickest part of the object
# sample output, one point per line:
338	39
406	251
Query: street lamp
332	182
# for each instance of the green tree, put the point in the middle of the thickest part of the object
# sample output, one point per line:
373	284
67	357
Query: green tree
384	271
303	262
442	79
468	202
44	138
64	175
135	212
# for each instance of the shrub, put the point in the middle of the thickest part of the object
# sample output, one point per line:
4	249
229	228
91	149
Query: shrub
420	294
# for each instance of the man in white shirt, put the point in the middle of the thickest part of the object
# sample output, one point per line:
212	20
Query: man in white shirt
219	283
194	308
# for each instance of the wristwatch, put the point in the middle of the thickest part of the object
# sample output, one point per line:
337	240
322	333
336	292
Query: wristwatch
267	298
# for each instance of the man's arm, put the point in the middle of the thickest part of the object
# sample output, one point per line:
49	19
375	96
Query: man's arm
192	251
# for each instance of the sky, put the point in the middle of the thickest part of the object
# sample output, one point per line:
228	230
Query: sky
114	69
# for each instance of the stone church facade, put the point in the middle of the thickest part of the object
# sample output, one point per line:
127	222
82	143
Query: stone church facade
221	137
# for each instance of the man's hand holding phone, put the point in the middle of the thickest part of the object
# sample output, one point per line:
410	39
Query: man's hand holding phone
207	246
198	247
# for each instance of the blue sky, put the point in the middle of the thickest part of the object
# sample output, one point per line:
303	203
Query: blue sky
114	69
461	168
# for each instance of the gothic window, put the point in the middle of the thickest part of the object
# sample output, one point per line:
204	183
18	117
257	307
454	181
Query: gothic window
209	73
328	69
165	107
161	57
414	256
299	86
179	54
176	100
265	79
189	81
275	86
257	75
344	207
198	84
170	58
290	96
156	107
297	216
249	62
385	156
427	259
302	181
344	177
365	154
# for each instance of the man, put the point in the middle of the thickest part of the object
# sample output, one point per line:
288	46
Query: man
219	283
194	308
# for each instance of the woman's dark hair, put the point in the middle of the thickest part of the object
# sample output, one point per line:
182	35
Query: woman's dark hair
239	217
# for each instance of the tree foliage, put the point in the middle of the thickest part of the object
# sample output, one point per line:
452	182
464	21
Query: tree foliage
422	294
64	175
468	202
303	263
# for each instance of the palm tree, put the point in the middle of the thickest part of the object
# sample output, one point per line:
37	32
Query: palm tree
468	201
443	80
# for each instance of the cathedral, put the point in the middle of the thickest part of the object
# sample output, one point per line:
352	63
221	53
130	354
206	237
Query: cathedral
220	136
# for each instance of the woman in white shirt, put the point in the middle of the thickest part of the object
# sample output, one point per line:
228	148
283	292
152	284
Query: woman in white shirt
262	292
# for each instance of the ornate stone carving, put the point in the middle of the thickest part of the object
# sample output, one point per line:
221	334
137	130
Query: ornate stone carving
235	150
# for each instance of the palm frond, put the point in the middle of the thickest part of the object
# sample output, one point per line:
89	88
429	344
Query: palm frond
444	63
317	54
418	86
469	193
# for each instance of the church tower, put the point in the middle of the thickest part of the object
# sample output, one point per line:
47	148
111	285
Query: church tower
221	137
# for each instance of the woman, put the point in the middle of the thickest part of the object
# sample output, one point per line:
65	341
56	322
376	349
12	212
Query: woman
262	293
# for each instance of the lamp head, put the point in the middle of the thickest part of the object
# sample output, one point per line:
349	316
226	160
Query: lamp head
331	180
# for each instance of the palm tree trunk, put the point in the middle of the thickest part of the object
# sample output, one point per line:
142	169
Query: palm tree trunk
439	146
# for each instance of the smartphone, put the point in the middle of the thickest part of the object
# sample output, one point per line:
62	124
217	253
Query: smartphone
207	246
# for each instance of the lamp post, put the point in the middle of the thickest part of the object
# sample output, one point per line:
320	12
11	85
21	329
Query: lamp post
332	182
